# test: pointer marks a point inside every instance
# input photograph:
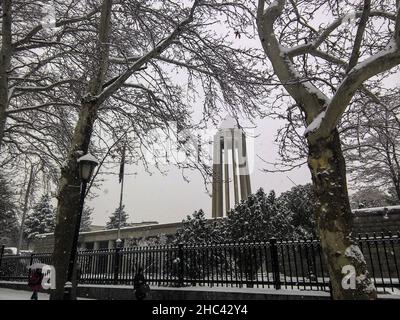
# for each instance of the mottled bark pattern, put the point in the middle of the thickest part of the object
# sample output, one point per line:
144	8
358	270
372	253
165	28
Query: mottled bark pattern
68	197
5	58
334	218
325	155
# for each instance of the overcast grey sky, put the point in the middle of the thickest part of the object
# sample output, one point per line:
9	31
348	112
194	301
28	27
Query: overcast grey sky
169	198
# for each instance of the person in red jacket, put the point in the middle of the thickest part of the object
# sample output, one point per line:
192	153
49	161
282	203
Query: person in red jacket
35	282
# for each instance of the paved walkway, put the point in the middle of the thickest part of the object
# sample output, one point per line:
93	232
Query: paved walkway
10	294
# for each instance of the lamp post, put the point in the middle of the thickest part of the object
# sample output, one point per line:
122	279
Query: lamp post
86	163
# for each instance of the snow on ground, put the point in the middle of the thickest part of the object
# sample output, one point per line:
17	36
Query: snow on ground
218	289
375	209
11	294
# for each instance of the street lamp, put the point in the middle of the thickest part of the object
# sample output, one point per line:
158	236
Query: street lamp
118	243
86	163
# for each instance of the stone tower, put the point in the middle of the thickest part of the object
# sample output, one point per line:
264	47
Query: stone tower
230	168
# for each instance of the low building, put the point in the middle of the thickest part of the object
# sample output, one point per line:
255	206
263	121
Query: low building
376	220
105	238
370	220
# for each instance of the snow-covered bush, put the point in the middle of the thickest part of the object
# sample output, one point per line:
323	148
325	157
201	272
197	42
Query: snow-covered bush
8	214
258	218
41	219
114	219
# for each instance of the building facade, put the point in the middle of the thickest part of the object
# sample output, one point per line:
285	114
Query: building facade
105	239
370	220
231	177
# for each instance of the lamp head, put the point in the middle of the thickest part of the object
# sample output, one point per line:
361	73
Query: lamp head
87	163
118	243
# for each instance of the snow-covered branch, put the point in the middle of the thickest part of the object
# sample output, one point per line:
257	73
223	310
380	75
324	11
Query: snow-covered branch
364	70
306	94
34	31
156	51
42	106
327	31
46	88
359	36
163	59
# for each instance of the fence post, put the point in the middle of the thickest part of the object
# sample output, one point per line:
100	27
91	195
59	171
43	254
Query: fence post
275	263
116	264
1	254
330	291
30	263
181	265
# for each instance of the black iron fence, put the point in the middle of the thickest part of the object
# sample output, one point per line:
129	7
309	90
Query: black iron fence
279	264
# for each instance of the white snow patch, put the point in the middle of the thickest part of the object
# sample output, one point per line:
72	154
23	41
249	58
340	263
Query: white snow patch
88	157
366	283
355	253
294	292
315	124
11	294
313	90
377	209
273	4
390	48
395	291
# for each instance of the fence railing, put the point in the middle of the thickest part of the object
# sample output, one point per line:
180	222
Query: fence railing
279	264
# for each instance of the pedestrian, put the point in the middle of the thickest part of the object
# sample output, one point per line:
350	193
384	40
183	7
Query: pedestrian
35	282
139	285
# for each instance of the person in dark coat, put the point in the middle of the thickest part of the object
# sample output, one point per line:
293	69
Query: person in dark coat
35	282
139	285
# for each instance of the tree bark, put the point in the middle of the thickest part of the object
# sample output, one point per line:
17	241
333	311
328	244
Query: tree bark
334	218
25	210
69	192
325	158
68	197
396	184
5	59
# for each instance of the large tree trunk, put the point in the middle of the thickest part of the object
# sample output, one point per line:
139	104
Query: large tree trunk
69	192
396	184
5	58
68	197
334	218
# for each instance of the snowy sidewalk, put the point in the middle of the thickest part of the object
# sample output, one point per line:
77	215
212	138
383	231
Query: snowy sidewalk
10	294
